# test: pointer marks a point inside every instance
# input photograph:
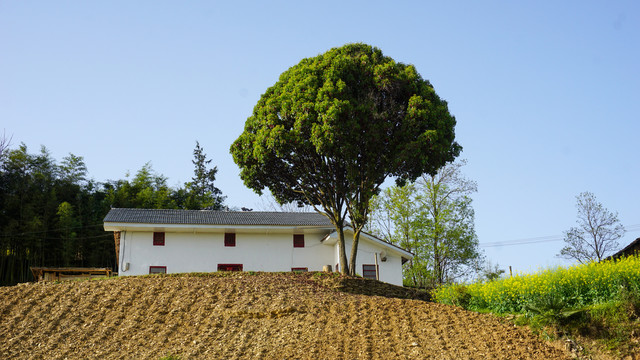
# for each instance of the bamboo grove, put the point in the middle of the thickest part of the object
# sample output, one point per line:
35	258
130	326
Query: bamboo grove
51	213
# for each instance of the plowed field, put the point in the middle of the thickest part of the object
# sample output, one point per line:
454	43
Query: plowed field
244	316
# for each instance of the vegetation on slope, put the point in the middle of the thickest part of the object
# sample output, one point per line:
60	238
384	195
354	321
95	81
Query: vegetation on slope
593	302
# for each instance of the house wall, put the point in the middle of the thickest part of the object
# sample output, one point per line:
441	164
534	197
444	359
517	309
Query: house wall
390	271
202	252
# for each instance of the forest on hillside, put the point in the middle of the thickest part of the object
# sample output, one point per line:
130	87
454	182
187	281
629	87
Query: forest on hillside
51	212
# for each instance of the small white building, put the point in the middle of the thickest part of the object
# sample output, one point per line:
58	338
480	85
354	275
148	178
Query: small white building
179	241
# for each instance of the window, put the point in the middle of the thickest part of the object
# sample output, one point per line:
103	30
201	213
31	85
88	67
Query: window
298	240
229	239
229	267
299	269
157	269
369	272
158	239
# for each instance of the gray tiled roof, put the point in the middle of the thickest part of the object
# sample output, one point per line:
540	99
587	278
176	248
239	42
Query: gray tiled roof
210	217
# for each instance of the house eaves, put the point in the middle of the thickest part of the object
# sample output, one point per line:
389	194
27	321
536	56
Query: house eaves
406	255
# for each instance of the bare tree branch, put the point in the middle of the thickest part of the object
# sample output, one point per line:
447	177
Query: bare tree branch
596	234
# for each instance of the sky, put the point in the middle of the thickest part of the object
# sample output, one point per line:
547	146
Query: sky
546	94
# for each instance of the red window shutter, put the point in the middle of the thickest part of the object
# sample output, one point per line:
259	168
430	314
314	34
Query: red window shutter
158	239
298	240
229	239
229	267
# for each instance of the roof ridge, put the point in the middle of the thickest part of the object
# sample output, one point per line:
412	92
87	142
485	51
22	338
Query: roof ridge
215	217
225	211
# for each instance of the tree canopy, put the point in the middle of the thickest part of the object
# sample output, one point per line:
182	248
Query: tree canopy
150	190
335	126
51	214
203	194
433	218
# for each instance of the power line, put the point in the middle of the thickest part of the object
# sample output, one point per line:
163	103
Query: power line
543	239
633	228
523	241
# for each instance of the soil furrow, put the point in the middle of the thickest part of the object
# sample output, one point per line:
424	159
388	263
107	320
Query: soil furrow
240	316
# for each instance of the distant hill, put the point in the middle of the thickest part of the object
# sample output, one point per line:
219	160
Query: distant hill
248	316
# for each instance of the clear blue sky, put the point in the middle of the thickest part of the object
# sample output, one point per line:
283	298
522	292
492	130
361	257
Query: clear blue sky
546	93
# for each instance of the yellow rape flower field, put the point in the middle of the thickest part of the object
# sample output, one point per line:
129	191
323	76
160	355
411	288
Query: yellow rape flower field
595	307
578	285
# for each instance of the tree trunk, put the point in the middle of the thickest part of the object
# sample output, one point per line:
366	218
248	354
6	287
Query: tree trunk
354	252
344	266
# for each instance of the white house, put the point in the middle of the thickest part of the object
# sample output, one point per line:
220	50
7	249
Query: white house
178	241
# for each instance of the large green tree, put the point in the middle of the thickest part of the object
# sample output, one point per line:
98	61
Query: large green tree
335	126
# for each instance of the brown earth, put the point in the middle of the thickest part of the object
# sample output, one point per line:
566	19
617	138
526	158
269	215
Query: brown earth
248	316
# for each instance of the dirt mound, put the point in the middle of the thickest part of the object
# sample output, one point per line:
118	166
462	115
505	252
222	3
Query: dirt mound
245	316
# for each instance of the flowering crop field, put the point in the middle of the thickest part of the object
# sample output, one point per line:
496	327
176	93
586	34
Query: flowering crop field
577	286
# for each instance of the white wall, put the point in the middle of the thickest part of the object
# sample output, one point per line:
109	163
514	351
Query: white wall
390	271
256	251
202	252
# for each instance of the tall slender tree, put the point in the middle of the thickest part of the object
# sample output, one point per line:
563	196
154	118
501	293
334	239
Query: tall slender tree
450	229
434	219
202	192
